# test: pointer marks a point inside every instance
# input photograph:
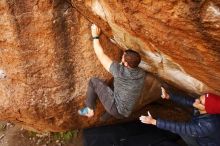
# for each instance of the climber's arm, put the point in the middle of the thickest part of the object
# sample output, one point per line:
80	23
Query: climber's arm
103	58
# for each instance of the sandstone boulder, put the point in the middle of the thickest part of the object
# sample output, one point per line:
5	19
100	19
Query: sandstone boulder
179	40
46	54
46	60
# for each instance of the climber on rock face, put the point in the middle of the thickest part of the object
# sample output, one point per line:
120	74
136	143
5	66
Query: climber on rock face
128	83
204	127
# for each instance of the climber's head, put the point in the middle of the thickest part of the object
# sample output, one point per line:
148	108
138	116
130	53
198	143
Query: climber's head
208	103
131	58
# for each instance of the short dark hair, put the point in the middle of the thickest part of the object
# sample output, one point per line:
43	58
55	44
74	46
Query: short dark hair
133	58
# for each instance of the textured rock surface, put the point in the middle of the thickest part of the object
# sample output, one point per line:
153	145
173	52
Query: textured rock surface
46	60
179	40
46	55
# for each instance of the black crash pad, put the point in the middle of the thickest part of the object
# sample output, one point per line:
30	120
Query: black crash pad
128	134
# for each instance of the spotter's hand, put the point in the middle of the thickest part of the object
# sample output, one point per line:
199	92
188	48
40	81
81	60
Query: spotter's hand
147	119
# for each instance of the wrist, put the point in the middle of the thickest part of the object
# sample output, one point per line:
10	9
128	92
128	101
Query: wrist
95	37
154	122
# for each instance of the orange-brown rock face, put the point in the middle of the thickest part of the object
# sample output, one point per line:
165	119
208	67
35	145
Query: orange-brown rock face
46	55
179	40
46	60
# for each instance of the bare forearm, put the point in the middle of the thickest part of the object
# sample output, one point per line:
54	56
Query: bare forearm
103	58
98	48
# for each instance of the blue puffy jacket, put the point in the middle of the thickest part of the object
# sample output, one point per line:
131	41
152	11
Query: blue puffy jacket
203	128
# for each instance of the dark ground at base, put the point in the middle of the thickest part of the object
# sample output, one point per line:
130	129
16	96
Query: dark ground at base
125	134
130	134
15	135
